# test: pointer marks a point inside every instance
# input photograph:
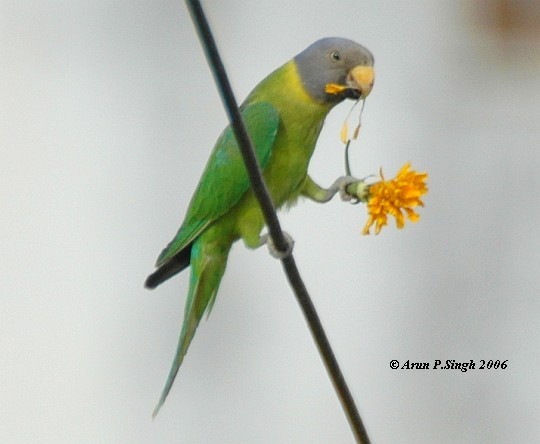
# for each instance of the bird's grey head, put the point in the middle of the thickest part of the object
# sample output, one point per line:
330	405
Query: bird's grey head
336	61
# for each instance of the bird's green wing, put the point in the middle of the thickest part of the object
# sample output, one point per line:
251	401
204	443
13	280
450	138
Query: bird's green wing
225	178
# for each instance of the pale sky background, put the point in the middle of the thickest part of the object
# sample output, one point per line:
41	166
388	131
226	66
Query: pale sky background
108	113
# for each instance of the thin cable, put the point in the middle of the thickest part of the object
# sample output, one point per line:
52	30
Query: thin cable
240	132
272	222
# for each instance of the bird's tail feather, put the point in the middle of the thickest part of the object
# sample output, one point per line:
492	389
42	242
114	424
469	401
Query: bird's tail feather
208	263
173	266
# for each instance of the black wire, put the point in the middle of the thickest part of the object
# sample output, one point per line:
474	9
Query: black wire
272	222
240	132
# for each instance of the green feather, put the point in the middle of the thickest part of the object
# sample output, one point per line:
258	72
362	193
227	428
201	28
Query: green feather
225	178
284	122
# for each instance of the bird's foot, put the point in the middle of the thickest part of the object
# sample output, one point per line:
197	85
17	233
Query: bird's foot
359	190
341	184
274	252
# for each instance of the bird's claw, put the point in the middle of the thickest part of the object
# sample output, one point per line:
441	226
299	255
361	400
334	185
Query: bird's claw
274	252
342	183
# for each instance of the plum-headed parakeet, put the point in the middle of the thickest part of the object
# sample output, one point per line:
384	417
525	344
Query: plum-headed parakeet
284	115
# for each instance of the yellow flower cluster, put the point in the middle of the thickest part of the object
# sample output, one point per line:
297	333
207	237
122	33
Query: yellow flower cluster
396	197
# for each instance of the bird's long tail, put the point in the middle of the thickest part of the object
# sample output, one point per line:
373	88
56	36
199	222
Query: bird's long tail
208	262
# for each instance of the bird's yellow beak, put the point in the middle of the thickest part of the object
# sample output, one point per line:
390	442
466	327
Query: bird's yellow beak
361	78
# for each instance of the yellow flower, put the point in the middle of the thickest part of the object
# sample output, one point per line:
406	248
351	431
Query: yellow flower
396	197
334	88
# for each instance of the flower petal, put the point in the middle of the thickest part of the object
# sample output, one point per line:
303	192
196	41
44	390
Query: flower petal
395	197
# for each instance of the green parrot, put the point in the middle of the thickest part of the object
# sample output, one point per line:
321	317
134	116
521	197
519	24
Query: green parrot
284	115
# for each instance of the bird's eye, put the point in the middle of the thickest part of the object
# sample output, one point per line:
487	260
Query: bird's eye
335	56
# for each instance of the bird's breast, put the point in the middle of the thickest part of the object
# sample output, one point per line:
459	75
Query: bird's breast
288	163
